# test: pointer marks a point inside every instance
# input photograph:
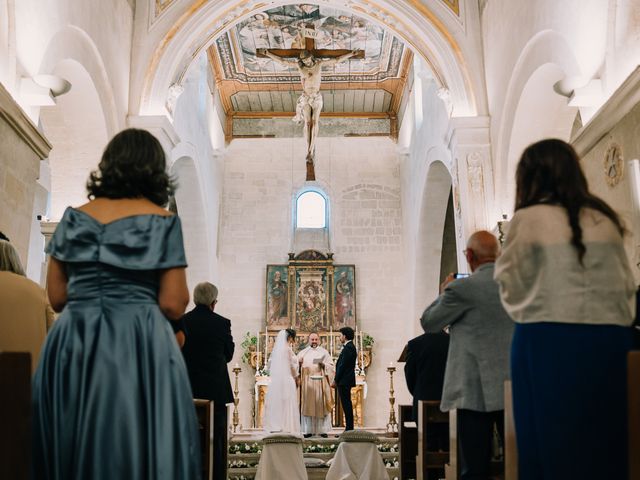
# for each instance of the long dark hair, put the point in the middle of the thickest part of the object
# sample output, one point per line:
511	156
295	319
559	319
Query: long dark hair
549	172
133	165
291	333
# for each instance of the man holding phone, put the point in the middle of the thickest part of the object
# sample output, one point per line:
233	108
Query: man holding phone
478	362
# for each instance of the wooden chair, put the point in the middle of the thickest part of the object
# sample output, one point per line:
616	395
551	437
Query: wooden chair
15	415
633	382
429	465
408	442
204	412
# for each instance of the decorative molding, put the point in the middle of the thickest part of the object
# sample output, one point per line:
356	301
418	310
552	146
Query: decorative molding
18	120
613	165
158	125
475	172
619	104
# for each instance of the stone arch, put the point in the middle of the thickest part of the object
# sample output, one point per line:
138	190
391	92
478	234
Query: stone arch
529	102
73	43
416	25
429	236
191	208
78	132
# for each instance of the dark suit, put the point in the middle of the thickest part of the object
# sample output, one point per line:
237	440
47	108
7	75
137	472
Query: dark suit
424	371
426	359
346	379
207	350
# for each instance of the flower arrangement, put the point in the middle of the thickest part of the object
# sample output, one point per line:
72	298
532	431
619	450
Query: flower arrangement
241	464
388	447
391	463
249	344
320	448
241	477
245	448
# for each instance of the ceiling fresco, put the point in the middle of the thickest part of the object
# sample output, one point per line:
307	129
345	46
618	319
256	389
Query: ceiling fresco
282	27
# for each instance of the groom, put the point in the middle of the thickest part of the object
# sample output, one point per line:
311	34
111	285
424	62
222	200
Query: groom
345	378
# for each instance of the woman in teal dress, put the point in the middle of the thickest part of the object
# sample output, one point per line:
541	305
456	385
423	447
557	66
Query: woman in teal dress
111	395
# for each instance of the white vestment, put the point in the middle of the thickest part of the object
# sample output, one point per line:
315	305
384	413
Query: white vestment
317	399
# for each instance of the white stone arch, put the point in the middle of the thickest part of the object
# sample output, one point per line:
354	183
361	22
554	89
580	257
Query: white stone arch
73	43
429	233
191	208
415	24
532	109
78	132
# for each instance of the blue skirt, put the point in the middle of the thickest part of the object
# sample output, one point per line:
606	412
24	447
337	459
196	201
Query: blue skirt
570	400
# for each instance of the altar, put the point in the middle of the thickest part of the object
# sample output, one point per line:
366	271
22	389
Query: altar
310	294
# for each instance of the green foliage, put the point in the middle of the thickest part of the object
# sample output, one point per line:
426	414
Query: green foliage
248	341
367	341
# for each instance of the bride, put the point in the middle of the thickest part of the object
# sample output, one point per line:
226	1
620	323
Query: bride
281	412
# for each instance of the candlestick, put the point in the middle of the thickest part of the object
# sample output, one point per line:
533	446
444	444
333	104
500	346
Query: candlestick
392	426
236	399
258	366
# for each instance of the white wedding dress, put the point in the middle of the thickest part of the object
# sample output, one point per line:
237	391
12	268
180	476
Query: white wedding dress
281	411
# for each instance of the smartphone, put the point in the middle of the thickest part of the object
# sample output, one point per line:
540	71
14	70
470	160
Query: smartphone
461	275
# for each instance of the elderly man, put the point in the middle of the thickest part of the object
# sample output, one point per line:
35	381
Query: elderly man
316	375
207	350
478	360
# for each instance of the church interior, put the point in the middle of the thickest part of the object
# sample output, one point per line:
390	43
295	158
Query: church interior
416	148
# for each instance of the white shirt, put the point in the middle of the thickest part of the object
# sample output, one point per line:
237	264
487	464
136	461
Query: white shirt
541	279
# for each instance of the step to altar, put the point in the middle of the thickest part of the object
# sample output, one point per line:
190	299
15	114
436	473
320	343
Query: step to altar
245	448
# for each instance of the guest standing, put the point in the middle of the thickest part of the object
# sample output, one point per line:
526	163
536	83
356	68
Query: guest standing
111	396
426	361
478	360
345	378
565	280
25	314
208	347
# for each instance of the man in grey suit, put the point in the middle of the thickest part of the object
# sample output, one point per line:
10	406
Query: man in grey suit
478	360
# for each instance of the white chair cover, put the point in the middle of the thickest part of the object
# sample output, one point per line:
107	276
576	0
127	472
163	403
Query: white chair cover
281	458
357	460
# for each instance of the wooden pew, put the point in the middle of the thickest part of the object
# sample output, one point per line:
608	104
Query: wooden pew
204	412
633	382
15	415
429	465
408	439
510	446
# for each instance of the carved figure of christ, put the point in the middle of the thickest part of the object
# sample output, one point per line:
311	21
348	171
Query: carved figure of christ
309	63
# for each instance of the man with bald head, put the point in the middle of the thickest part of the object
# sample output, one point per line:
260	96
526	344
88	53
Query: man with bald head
478	361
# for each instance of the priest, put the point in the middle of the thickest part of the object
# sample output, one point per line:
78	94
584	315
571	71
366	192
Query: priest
316	375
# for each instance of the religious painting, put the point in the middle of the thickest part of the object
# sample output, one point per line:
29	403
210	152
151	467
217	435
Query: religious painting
277	301
286	27
311	299
344	296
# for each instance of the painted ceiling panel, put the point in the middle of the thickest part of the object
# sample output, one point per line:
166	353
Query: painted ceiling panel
282	27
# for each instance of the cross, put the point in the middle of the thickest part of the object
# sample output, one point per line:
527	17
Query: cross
309	62
309	34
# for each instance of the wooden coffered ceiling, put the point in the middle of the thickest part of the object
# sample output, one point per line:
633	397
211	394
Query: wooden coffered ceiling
252	87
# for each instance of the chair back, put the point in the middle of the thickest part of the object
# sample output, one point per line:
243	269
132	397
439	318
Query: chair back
281	458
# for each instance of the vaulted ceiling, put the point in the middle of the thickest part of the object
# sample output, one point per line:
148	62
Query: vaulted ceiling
254	87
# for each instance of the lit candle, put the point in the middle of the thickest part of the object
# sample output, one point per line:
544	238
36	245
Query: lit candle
258	351
390	364
236	365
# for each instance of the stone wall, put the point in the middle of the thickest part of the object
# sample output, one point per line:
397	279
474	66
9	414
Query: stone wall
262	177
21	149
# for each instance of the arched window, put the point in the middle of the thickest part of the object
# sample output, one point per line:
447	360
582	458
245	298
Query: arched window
311	210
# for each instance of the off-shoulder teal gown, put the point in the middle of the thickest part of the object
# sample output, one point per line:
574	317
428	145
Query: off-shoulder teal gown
111	395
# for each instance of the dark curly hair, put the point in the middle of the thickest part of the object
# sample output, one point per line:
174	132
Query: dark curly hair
291	333
133	165
549	173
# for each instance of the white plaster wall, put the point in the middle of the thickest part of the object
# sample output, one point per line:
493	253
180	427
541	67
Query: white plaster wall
199	171
581	39
260	180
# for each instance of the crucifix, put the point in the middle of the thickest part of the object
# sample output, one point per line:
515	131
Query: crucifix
309	62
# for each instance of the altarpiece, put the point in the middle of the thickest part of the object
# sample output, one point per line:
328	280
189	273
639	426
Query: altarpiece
310	294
